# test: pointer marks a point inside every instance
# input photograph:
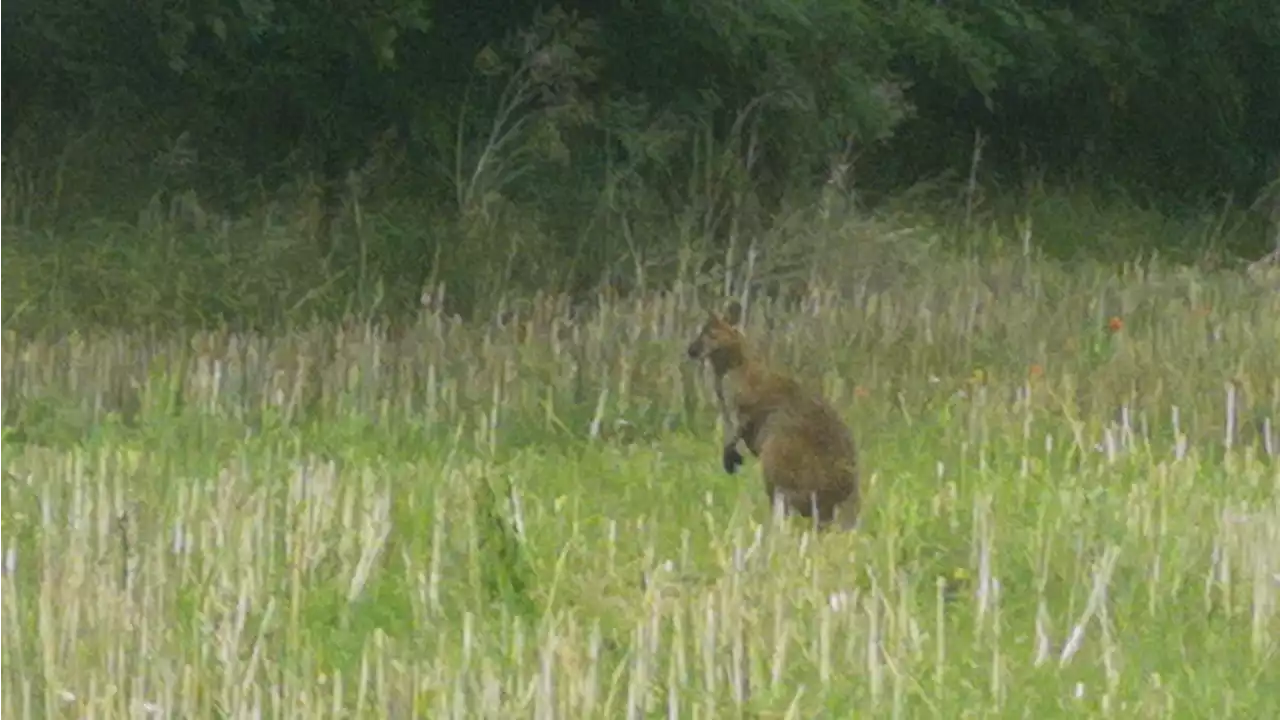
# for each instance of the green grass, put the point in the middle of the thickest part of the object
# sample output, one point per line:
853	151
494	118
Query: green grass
456	519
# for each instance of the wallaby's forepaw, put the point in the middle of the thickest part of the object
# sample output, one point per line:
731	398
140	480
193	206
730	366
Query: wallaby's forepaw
732	458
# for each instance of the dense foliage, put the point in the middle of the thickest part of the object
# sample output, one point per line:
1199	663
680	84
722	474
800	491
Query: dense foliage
598	124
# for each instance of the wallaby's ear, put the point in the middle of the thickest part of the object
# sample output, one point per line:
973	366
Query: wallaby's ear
733	312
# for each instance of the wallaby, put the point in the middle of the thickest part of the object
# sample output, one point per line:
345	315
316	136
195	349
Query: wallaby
806	451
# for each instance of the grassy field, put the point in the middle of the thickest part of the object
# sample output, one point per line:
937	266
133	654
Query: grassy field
1071	510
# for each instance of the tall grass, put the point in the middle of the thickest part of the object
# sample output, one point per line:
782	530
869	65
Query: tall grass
1070	480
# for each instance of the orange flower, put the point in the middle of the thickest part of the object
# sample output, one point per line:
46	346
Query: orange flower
861	392
1036	371
1115	324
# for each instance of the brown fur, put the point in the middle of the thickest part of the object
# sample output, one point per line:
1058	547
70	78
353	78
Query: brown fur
806	451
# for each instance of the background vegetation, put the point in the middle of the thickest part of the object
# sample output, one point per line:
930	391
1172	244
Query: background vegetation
318	158
343	357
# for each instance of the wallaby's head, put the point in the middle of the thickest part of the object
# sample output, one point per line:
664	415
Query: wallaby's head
720	340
